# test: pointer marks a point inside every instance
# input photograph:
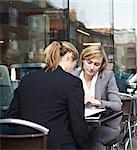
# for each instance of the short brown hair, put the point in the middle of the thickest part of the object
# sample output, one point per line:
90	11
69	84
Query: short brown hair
94	51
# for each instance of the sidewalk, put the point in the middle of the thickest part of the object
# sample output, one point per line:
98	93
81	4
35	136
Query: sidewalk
134	144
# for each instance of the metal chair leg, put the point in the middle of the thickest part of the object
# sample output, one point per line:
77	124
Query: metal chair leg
130	135
113	146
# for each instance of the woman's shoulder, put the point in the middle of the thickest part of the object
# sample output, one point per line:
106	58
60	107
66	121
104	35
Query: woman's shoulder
107	73
73	76
76	72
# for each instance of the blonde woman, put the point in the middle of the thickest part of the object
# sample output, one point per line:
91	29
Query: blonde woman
100	91
54	98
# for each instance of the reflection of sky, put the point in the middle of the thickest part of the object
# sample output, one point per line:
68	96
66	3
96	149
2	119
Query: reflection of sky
93	13
124	13
98	13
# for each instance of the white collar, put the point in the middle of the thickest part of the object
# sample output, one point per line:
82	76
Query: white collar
90	92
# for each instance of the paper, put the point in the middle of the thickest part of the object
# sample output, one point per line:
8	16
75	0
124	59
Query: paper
91	111
93	117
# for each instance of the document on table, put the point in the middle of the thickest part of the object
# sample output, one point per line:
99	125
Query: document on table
90	112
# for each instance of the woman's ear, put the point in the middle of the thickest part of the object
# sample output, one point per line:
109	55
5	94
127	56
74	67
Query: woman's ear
82	64
70	56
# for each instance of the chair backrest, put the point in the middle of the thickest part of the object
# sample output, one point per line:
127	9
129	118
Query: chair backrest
127	101
6	90
4	76
34	141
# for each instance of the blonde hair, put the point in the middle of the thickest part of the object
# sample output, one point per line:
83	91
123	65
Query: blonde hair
56	50
94	51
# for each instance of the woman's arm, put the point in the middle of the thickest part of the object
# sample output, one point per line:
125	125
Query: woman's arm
113	98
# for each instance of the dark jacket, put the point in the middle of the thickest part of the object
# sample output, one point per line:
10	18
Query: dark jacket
54	99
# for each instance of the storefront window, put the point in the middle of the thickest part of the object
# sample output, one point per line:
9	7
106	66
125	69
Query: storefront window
91	23
36	38
23	31
36	2
57	16
28	26
13	16
125	41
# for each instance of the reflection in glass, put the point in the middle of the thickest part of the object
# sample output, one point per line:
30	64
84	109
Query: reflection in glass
13	16
36	37
57	12
28	26
125	41
92	23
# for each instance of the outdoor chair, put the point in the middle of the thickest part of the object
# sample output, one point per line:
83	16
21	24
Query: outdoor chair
126	133
6	91
111	145
127	100
30	141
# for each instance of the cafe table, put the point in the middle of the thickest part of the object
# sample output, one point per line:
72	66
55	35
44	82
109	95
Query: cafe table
104	117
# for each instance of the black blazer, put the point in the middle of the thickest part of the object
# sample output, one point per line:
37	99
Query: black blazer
54	99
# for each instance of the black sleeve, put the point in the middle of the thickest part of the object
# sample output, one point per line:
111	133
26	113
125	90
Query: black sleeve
14	108
76	114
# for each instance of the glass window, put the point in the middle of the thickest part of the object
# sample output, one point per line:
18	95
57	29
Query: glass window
36	38
57	18
23	32
82	23
124	40
13	16
36	2
28	26
90	23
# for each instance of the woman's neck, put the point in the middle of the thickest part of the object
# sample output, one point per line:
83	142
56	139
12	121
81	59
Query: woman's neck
62	63
88	79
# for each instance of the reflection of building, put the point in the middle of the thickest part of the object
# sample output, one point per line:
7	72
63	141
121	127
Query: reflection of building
125	48
57	23
14	27
85	37
28	26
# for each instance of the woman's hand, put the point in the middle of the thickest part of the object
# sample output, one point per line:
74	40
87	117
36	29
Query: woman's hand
93	101
87	99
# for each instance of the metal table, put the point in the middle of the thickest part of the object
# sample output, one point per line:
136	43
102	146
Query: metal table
103	119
